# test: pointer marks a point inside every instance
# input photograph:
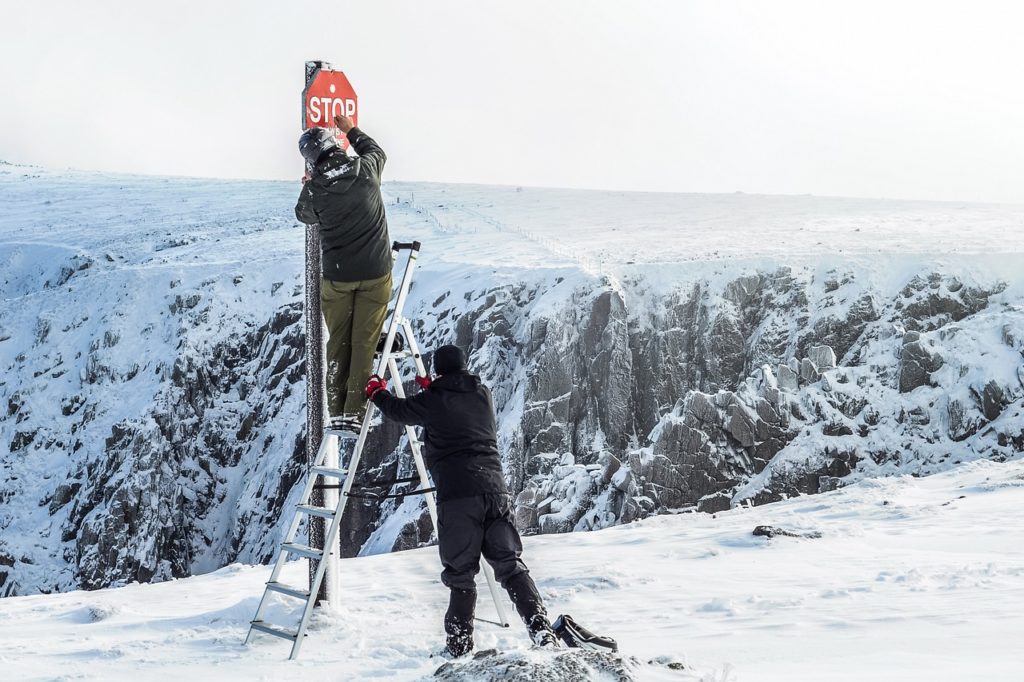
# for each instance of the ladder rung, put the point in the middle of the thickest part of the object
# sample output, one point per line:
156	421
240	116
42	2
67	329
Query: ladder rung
329	472
322	512
288	590
273	630
302	550
343	435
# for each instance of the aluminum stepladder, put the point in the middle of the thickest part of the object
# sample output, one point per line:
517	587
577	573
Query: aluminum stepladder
326	466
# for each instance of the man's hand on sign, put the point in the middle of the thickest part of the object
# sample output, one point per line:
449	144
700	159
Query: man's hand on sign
344	123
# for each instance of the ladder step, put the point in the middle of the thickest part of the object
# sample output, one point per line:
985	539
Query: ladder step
288	590
342	435
302	550
322	512
329	472
273	630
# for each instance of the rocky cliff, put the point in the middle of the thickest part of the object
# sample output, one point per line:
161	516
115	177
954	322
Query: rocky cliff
747	388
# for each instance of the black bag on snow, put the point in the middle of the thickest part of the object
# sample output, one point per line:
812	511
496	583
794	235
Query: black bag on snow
575	635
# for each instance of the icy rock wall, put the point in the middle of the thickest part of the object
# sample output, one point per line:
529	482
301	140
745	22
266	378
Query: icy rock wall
153	422
744	390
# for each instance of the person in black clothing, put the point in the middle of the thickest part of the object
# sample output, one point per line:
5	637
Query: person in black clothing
474	507
341	194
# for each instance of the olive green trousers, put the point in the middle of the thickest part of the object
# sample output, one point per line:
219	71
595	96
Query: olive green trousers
354	313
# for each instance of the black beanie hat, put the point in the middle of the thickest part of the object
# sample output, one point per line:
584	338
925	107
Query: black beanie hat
316	142
449	359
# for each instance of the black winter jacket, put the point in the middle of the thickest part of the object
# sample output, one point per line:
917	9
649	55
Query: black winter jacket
343	196
460	437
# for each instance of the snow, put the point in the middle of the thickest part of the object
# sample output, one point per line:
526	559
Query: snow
623	233
912	579
909	581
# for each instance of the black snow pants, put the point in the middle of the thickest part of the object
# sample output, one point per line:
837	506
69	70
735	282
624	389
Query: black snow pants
467	528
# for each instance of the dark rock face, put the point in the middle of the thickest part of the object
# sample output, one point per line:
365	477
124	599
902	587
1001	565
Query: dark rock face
714	445
774	531
934	300
165	464
916	366
135	501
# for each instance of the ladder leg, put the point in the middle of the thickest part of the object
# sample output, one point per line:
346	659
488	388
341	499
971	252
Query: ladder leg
414	445
499	603
331	537
293	528
332	555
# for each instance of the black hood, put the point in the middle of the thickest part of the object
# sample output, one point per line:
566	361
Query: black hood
460	382
336	171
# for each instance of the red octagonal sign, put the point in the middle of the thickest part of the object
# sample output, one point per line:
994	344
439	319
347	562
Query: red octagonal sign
327	94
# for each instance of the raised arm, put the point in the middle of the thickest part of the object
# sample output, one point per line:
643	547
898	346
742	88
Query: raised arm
367	149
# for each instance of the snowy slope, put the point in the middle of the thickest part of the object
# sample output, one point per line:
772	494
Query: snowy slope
151	354
911	579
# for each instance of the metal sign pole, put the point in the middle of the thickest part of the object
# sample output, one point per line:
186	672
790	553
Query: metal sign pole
314	381
314	364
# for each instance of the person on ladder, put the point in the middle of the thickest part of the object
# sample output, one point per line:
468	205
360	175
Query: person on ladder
341	194
474	507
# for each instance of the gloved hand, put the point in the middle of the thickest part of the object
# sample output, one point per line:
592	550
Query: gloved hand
344	123
375	385
424	381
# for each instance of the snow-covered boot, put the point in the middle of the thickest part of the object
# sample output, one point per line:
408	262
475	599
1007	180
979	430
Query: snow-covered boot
346	422
458	622
457	646
541	632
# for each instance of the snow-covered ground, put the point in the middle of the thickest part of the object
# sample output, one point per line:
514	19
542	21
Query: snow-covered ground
615	229
911	579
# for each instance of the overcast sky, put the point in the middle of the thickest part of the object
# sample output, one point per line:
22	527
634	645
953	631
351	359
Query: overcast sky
884	99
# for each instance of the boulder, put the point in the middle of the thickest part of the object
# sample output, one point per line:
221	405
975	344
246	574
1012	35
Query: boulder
788	379
992	400
808	372
823	357
715	502
916	366
741	425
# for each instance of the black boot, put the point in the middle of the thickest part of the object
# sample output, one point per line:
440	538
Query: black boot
541	632
524	594
458	622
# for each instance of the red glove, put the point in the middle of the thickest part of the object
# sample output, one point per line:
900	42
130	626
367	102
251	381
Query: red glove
375	385
424	381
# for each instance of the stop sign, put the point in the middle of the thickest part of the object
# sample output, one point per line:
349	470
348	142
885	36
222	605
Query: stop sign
327	94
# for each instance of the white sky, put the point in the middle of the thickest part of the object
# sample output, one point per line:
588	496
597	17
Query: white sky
862	98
